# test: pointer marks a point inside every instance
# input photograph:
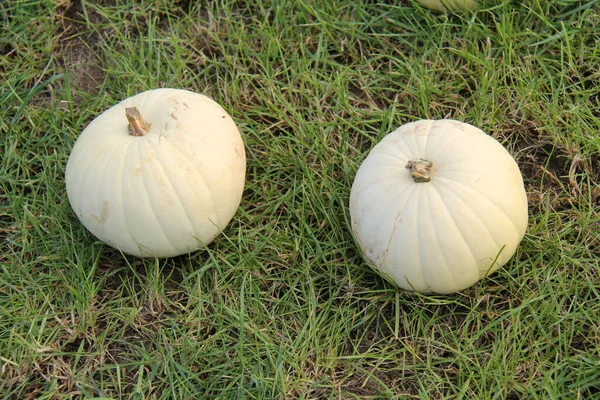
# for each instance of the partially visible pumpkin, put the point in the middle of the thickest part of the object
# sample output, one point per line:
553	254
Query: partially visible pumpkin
159	174
437	205
450	5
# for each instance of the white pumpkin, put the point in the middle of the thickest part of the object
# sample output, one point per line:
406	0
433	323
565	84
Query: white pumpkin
438	205
450	5
159	174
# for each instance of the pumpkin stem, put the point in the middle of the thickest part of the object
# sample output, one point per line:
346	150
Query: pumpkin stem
137	126
420	169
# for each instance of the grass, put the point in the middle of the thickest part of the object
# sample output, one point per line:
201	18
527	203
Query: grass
281	305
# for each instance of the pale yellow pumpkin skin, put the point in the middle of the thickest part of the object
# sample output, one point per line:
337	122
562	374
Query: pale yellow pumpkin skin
446	234
168	192
450	5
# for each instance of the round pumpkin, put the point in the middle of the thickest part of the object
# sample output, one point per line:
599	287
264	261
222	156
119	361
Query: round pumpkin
450	5
437	205
159	174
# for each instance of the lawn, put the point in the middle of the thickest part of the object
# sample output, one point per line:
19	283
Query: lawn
281	305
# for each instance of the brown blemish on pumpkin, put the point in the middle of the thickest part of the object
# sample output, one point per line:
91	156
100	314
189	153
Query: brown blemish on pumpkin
421	128
151	157
138	171
104	213
185	105
239	153
174	116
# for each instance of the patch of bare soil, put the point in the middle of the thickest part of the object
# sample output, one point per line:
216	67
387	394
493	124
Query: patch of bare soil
79	51
560	177
559	180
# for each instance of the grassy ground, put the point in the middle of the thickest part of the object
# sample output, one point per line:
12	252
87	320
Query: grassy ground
281	305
